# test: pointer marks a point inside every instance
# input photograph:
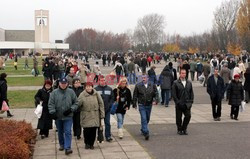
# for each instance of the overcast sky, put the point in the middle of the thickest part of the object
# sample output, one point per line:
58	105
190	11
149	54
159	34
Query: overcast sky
182	16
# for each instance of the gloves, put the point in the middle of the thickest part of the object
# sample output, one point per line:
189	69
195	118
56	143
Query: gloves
102	122
135	106
67	112
53	116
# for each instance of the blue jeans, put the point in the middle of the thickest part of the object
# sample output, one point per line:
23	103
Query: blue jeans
131	78
64	132
120	119
107	125
145	112
165	93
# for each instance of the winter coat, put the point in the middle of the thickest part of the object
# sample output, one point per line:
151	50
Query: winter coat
235	93
215	90
166	79
78	91
144	62
83	74
206	70
131	67
44	122
152	76
144	95
3	92
92	109
225	74
192	66
199	67
56	72
247	82
62	100
183	96
124	100
107	95
70	79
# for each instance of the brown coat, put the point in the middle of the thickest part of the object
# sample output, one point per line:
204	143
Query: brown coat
92	109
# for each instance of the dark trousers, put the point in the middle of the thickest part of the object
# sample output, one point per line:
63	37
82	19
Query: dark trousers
216	108
234	111
192	75
89	135
187	116
44	132
76	124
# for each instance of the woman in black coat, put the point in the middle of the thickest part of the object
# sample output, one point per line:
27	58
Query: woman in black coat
122	94
45	121
247	84
3	92
235	94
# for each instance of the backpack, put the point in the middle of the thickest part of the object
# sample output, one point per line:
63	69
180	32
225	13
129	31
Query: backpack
214	63
118	68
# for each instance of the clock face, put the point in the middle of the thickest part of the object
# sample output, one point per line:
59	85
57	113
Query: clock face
41	21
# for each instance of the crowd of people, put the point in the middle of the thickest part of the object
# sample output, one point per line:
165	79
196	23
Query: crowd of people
78	95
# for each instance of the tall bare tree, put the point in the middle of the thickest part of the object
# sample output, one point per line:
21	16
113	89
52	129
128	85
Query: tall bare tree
149	29
224	22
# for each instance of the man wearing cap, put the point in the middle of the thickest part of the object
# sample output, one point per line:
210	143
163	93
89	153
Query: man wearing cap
144	93
62	103
215	88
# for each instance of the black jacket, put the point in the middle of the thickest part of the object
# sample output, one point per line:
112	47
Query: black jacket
152	76
247	82
166	79
107	95
144	95
45	121
3	92
215	90
235	93
183	96
124	100
78	90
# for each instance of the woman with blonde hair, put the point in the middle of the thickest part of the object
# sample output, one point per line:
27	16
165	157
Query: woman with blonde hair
123	97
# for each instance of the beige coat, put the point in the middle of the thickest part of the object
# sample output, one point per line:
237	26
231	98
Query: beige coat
83	74
92	109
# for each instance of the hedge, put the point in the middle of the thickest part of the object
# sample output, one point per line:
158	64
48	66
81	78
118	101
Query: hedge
17	139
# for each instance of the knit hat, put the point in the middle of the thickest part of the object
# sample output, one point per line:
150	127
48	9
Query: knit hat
236	76
48	82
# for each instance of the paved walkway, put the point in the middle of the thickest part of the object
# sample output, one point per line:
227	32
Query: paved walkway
128	147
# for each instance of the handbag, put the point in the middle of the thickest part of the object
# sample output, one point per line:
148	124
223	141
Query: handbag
242	106
5	106
100	137
114	105
38	111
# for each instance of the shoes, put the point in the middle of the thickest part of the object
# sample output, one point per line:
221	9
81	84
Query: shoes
184	132
42	136
92	147
231	116
9	115
87	146
179	132
61	148
236	119
218	119
146	137
78	137
166	105
109	139
120	133
69	151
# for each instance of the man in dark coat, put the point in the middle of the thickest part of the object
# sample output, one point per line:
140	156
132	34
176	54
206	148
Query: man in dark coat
235	94
215	88
183	95
144	64
78	89
107	95
166	81
152	75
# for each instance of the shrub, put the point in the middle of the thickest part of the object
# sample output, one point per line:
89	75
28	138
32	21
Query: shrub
17	139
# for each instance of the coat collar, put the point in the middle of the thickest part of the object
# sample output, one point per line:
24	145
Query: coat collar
86	94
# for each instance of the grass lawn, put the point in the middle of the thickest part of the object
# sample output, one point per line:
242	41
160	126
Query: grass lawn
25	81
10	70
21	99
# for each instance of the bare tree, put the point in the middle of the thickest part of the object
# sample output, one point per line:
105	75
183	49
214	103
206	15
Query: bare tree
224	21
149	29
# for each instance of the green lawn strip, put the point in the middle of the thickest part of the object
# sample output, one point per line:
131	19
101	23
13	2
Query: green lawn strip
22	61
21	99
19	71
25	81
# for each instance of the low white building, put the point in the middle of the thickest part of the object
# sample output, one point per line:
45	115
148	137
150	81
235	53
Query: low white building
27	41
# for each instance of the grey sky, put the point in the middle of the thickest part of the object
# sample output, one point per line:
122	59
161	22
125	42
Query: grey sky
182	16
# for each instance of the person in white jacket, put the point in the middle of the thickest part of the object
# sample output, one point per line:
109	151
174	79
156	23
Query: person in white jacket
236	70
242	68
